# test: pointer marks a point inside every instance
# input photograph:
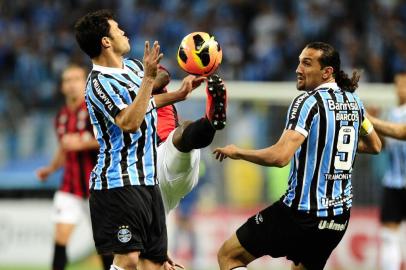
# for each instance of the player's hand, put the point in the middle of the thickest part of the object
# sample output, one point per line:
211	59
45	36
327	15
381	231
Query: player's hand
43	173
189	83
71	142
151	59
230	151
171	265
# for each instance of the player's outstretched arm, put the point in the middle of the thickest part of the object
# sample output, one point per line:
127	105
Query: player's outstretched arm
385	128
189	84
369	141
57	162
79	142
277	155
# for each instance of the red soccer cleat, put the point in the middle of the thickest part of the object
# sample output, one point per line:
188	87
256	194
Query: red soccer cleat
216	103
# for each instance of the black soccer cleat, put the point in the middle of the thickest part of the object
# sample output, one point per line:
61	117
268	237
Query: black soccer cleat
216	103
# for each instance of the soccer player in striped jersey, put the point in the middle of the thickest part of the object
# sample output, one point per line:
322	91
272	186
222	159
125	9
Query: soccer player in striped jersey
76	154
126	208
320	139
393	205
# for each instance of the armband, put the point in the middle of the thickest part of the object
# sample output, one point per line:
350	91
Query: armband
366	127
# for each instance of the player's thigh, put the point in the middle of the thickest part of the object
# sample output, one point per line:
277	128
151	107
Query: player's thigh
178	172
67	208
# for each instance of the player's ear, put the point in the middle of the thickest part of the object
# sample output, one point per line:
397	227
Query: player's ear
105	42
327	72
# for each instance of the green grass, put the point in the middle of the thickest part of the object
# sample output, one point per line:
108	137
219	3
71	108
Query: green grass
90	263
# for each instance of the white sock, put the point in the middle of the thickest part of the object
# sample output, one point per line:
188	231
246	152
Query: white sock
115	267
391	256
239	268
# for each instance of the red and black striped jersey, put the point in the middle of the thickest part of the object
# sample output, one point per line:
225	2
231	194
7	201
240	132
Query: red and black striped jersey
78	164
167	121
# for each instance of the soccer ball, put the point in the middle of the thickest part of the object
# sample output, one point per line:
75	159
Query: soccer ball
199	54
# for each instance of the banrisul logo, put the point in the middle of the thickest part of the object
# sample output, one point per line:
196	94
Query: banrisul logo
124	234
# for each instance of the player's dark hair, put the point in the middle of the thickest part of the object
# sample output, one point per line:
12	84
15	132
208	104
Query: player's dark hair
331	57
90	29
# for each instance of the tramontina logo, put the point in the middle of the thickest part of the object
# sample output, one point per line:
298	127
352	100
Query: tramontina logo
124	234
258	218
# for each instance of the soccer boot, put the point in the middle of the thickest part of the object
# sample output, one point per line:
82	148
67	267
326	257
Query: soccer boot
216	103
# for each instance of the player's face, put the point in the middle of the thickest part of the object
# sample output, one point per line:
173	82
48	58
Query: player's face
119	40
309	72
73	83
400	81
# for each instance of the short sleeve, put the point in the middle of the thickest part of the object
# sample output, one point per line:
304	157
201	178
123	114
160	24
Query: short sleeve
301	113
361	107
105	97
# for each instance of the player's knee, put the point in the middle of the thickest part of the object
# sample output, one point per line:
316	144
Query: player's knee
224	255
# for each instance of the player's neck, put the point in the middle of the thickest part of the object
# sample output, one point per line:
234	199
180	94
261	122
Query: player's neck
73	103
109	60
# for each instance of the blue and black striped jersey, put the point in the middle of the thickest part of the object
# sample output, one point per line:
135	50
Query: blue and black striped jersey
395	175
320	175
124	158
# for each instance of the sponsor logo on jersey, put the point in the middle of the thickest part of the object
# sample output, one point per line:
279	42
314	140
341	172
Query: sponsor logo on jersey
102	95
332	225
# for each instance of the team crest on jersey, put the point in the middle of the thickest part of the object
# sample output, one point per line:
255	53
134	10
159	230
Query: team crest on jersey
124	234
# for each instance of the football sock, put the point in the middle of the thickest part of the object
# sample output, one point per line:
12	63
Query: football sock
115	267
198	134
60	258
239	268
107	261
391	256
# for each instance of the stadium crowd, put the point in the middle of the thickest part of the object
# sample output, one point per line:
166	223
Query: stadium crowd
260	40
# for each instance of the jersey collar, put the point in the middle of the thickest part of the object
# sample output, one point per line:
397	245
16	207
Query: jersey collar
104	69
331	85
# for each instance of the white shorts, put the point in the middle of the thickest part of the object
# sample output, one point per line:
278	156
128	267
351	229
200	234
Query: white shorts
178	172
69	208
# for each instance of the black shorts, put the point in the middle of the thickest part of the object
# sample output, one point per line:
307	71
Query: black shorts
128	219
279	231
393	206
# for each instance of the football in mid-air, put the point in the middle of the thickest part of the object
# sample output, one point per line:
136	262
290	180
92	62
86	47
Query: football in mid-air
199	53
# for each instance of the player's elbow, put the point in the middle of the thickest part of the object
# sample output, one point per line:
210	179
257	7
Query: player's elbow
126	123
127	126
281	161
130	127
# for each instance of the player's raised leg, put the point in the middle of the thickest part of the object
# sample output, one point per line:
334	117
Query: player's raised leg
200	133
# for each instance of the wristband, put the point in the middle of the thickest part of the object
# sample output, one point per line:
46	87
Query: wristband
366	127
